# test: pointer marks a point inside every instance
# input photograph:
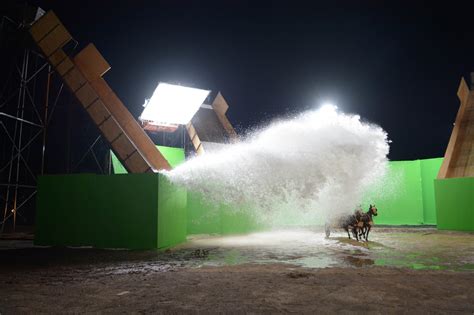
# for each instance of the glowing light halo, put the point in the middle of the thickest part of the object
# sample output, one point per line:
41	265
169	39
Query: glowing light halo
172	104
326	106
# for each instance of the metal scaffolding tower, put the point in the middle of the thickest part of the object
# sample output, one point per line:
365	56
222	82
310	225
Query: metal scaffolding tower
30	93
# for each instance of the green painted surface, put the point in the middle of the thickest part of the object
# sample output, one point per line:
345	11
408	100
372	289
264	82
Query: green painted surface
207	218
455	203
203	217
429	172
136	211
405	196
398	196
174	156
147	211
172	214
234	221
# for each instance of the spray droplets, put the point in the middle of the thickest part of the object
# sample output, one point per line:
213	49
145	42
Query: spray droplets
317	162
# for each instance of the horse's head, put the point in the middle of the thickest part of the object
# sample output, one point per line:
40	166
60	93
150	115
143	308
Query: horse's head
373	210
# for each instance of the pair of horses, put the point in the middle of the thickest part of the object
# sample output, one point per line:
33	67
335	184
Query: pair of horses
359	223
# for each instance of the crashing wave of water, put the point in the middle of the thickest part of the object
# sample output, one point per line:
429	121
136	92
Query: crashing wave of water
317	162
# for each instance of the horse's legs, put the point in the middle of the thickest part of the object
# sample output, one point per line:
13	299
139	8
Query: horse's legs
367	233
327	230
347	230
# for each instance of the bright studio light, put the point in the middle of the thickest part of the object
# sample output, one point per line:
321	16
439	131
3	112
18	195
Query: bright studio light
328	105
328	109
173	104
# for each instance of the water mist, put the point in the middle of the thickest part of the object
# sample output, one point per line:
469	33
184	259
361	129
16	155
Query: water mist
314	165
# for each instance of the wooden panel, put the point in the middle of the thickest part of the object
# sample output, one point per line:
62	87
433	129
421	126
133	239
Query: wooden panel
124	149
83	76
57	58
54	40
219	104
98	112
130	126
113	103
91	63
463	91
44	25
452	151
74	79
220	107
110	129
200	150
93	71
64	66
137	164
86	95
194	139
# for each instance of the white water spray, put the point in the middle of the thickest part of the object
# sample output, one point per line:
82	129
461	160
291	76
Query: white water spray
317	163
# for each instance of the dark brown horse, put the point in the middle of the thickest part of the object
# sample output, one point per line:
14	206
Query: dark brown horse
350	223
366	222
359	223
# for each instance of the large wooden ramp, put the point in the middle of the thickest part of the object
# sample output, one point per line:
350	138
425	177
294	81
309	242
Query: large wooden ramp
459	157
210	126
83	75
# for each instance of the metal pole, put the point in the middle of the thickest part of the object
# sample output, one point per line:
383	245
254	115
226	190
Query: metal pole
68	138
184	137
19	119
45	119
7	199
91	147
23	83
110	161
14	208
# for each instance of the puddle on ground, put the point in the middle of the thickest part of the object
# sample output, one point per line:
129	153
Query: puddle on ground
419	249
410	248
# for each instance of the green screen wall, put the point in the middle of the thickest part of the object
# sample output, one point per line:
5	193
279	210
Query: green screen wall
399	196
147	211
429	172
207	218
204	217
134	211
174	156
405	196
455	203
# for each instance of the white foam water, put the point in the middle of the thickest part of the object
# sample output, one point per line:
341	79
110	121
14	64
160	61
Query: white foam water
315	164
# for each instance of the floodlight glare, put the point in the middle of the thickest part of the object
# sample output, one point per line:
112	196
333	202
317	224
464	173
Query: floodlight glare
172	105
328	105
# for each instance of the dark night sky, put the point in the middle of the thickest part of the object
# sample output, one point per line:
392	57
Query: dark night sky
396	63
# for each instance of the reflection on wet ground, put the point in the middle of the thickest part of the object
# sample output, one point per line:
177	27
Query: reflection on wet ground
407	248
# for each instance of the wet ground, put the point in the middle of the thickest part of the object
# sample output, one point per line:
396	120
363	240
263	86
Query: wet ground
407	264
407	248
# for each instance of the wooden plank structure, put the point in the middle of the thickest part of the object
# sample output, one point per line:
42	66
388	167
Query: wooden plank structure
459	157
83	75
210	124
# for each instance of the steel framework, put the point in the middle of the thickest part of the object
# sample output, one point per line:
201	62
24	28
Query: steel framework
30	93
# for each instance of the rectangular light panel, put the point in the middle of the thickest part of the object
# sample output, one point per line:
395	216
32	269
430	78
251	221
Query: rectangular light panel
173	104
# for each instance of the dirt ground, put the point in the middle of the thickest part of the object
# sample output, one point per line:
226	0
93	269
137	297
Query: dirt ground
398	272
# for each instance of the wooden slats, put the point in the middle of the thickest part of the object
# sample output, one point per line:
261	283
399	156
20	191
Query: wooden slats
220	107
83	76
93	66
459	157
